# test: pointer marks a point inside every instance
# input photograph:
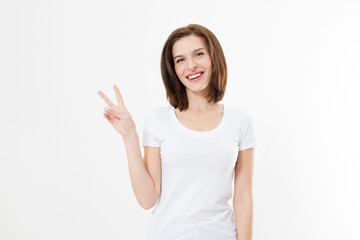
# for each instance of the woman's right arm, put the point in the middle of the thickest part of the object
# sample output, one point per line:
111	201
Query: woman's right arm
144	174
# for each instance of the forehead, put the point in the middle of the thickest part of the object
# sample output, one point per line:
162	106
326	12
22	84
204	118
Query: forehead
188	44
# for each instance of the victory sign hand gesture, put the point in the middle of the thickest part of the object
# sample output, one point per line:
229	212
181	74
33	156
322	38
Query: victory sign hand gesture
118	115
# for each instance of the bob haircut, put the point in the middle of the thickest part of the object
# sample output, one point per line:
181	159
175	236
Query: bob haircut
175	90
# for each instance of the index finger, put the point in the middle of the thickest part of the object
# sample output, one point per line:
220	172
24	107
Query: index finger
118	96
106	99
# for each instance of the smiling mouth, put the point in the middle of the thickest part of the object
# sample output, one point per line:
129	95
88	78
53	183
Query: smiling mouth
195	77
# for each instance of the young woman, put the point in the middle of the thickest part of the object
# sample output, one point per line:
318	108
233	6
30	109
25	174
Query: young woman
192	148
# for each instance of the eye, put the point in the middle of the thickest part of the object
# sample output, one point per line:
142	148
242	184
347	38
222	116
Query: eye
199	53
179	60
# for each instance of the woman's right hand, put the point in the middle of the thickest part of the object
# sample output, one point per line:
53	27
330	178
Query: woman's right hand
118	115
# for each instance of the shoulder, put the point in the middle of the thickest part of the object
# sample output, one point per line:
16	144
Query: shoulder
157	112
238	113
240	118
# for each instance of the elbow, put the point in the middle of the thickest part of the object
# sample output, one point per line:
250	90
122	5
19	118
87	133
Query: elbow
147	202
146	205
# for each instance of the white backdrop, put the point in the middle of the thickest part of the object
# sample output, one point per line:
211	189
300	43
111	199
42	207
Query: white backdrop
293	65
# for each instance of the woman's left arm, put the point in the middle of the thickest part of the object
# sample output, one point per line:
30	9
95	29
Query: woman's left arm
242	200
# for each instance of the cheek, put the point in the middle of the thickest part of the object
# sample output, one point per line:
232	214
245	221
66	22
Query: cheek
206	62
178	71
209	63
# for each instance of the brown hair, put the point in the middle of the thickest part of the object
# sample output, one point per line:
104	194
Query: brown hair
175	90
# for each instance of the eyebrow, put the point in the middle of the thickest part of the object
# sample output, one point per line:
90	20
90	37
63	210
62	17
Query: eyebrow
193	52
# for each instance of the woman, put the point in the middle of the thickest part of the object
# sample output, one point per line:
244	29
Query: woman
192	148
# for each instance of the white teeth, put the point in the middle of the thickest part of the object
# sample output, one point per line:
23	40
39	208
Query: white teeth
194	76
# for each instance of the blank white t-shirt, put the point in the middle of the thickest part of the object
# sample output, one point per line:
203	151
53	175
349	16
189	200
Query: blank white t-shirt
197	173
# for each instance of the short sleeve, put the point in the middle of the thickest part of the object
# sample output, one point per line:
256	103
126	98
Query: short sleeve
247	133
150	137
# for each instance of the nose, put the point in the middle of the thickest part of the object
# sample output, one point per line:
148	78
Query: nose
192	64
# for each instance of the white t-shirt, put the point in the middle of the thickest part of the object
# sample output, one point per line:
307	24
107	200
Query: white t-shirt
197	173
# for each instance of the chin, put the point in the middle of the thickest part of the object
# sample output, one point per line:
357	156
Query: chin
199	89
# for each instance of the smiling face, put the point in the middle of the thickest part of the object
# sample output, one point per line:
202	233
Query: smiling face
192	62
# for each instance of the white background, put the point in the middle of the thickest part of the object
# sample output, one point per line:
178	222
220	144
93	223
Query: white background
293	65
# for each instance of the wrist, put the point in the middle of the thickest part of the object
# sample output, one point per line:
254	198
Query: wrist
131	136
